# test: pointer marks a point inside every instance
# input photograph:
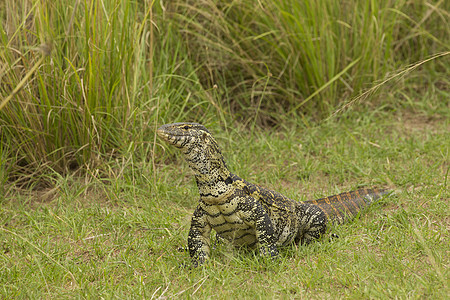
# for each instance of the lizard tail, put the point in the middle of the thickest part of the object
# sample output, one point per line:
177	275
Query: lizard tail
345	206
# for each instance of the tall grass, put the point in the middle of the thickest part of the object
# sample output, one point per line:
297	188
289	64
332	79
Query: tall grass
306	56
85	82
110	73
80	100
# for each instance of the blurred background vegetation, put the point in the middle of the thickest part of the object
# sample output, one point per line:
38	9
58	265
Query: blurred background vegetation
84	84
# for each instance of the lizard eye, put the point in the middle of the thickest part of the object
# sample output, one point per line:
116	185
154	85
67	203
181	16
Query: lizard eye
186	127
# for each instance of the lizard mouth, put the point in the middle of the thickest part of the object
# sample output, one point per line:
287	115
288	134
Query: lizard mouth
170	136
181	134
163	134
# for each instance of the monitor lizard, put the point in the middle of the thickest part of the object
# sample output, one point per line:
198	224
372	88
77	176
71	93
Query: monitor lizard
246	214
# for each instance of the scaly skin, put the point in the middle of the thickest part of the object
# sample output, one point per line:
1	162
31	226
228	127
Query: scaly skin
345	206
247	214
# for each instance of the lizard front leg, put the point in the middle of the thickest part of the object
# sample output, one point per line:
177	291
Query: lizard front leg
199	237
255	215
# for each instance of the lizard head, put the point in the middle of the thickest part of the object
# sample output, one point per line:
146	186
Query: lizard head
184	135
198	145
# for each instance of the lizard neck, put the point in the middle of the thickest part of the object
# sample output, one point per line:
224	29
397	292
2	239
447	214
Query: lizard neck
214	191
210	170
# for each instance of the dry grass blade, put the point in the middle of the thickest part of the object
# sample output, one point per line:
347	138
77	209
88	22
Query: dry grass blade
46	50
398	75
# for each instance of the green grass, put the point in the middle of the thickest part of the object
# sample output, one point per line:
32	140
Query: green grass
85	82
125	238
309	98
289	56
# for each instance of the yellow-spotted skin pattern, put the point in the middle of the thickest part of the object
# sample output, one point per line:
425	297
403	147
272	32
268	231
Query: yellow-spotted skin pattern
246	214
